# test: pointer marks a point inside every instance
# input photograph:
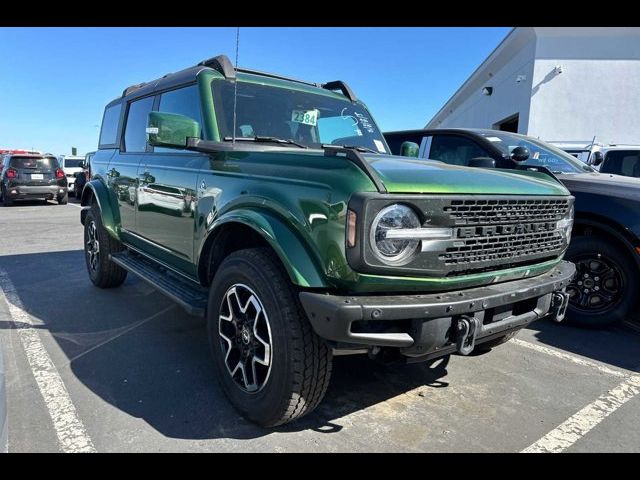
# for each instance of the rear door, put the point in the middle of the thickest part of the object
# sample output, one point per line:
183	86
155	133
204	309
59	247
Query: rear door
122	175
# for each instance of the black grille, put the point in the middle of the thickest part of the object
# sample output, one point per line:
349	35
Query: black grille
507	249
494	211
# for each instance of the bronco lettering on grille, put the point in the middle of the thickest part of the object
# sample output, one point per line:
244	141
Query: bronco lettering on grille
491	230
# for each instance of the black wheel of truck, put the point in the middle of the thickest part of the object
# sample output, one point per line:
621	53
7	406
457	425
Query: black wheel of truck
63	199
98	245
604	290
270	363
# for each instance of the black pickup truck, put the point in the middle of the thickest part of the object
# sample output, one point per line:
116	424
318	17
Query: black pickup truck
605	245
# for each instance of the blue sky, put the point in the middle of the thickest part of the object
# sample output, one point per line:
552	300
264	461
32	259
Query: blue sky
55	81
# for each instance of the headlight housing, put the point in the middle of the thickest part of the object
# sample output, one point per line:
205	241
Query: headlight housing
566	224
394	251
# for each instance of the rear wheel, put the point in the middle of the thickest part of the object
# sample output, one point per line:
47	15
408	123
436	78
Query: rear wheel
63	199
604	290
270	363
98	245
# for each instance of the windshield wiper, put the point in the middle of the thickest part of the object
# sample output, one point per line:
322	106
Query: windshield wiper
351	147
258	138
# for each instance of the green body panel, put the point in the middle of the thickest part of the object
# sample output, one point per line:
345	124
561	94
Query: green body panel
167	204
406	175
302	268
97	189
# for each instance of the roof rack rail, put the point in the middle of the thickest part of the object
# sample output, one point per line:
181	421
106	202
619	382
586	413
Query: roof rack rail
132	88
273	75
343	87
222	64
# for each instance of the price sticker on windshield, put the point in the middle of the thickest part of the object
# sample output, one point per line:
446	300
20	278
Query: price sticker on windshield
306	117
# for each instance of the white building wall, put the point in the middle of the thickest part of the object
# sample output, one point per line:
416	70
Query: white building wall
508	98
598	91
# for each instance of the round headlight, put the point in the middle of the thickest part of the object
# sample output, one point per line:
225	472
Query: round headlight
394	251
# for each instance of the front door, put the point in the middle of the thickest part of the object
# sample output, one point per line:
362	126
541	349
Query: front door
166	193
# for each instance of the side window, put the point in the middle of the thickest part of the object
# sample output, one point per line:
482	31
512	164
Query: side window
622	162
183	101
454	150
135	133
109	131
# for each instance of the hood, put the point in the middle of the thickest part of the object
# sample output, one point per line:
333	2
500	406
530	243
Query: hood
407	175
603	184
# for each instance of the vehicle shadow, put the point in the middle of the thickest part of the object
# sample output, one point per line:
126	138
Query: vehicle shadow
618	346
142	354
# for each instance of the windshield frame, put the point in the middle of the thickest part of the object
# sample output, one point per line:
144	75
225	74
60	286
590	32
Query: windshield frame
577	165
302	89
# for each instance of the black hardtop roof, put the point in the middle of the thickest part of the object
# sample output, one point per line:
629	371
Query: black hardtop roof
477	131
221	64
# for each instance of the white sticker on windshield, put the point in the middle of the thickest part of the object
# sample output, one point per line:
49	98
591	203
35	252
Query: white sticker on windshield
380	146
306	117
493	139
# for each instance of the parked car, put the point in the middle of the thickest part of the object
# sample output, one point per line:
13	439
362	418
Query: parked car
606	233
25	177
308	237
619	160
72	166
83	176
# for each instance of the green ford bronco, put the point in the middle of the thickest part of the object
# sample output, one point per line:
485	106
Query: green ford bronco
274	208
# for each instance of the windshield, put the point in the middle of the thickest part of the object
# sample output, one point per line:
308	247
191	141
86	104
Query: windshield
72	162
306	118
540	154
37	163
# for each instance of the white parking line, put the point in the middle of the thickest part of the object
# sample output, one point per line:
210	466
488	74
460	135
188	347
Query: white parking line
567	356
70	430
75	205
576	426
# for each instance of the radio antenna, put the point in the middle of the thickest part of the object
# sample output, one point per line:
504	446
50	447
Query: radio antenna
235	88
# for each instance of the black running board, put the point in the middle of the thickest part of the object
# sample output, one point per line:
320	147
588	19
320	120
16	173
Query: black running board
190	296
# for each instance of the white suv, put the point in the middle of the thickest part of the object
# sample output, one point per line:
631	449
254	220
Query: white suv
71	165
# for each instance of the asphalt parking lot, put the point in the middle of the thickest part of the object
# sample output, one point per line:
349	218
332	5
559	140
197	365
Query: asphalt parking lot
127	370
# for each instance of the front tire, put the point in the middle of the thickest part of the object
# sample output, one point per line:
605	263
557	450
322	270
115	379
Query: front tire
98	245
270	363
604	290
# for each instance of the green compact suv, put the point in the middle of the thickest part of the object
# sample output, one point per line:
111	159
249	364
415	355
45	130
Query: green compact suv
274	208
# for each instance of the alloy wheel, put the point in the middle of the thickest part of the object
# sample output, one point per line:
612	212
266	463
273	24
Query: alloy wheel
93	246
245	337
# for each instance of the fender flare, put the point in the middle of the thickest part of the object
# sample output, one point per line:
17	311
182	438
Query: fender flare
298	261
110	216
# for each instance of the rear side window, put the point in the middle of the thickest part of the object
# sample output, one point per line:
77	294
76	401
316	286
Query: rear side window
109	132
135	133
34	163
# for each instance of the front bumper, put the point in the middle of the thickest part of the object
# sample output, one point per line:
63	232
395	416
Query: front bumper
425	325
26	191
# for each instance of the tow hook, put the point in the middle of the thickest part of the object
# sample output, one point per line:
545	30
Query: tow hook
559	303
467	328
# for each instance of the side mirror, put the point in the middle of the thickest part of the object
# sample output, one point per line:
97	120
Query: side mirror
598	158
520	154
409	149
171	129
482	162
